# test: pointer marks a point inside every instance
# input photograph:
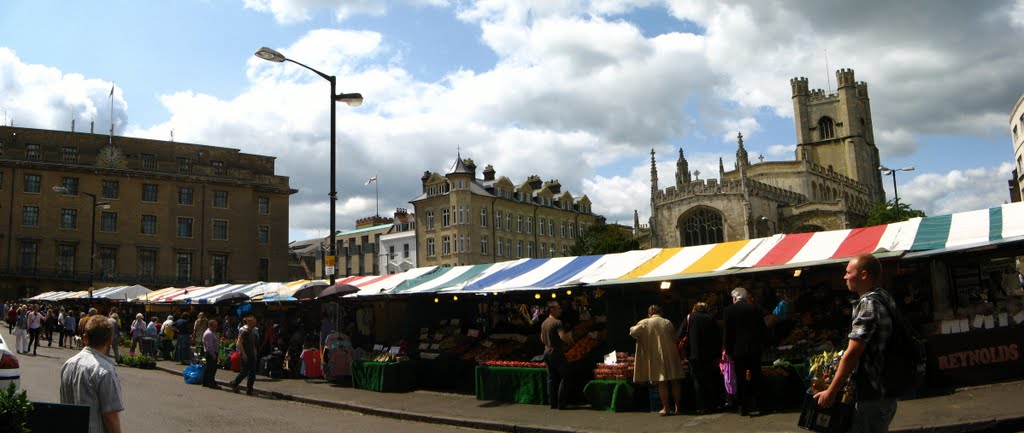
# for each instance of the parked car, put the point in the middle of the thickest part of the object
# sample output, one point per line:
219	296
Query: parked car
10	369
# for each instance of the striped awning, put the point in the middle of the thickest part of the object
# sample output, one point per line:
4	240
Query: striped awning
968	230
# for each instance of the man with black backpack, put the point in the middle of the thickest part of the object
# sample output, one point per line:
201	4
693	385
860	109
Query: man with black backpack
864	358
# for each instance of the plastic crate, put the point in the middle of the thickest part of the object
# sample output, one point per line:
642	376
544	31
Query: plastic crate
826	420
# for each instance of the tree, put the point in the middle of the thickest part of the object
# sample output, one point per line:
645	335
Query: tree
602	238
885	213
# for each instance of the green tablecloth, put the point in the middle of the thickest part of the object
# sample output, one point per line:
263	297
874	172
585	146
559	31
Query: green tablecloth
384	376
512	384
611	395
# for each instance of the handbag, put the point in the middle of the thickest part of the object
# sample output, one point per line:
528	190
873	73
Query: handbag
728	374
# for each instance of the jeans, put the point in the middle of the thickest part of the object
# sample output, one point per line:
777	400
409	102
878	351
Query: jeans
33	339
183	350
873	416
210	371
248	372
558	374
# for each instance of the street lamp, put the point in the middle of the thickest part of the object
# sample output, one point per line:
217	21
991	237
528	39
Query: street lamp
895	194
766	220
353	100
92	235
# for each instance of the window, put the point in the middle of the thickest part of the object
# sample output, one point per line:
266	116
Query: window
701	227
218	168
69	154
108	262
185	196
1015	132
483	217
551	227
508	248
508	221
541	225
497	219
70	184
220	230
147	263
69	218
405	251
1	148
110	189
263	235
529	249
519	249
33	151
563	229
264	269
29	250
30	216
519	223
529	225
183	270
32	182
501	247
220	199
149	192
483	245
462	215
446	245
263	205
446	217
462	243
108	222
430	220
826	129
65	259
184	227
219	273
430	247
572	231
149	224
148	161
544	250
184	165
565	250
1	177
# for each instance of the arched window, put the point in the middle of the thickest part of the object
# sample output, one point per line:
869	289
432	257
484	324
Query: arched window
826	129
814	191
701	226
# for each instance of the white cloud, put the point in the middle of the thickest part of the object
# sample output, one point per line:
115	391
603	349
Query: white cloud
895	143
955	191
782	150
293	11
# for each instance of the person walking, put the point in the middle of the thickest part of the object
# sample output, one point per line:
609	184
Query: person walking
116	343
744	339
211	350
90	379
199	331
35	325
166	338
555	338
21	330
246	346
183	345
12	317
49	325
70	326
137	332
657	358
703	350
870	329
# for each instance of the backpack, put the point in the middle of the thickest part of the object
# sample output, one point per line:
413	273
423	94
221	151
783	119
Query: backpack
906	356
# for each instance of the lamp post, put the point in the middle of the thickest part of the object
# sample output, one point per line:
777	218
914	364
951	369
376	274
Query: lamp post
92	230
895	194
353	100
766	220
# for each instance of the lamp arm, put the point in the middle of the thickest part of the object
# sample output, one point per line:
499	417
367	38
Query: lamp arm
321	74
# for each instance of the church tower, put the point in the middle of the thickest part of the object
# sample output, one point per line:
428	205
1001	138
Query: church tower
835	130
682	171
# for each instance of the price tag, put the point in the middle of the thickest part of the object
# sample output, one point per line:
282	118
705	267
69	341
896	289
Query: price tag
1019	317
394	350
537	358
473	333
423	346
455	322
444	322
438	337
435	346
378	347
611	358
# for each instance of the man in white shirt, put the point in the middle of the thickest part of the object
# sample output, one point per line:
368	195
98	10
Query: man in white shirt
90	379
35	324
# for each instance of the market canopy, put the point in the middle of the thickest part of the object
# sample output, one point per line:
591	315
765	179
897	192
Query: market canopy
969	230
121	293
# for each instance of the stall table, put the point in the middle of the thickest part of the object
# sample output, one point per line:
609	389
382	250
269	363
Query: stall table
512	384
614	395
384	376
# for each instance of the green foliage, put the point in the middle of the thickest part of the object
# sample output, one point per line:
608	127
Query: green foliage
602	238
138	361
885	213
14	410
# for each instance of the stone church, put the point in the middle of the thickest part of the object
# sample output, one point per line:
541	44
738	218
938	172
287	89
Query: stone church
830	185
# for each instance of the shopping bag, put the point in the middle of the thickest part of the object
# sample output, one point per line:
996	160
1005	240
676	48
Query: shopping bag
193	374
728	374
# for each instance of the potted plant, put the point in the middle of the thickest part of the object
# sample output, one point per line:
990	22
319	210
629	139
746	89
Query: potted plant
15	409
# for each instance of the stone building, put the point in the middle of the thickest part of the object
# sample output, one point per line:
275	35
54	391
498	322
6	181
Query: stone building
830	185
154	212
398	245
1016	183
359	248
463	220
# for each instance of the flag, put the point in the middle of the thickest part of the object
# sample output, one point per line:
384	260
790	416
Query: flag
111	90
371	180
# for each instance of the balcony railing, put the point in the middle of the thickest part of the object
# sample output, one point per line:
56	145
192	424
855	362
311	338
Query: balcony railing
151	281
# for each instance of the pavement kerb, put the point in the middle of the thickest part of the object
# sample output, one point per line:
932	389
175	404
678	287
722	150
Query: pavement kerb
395	414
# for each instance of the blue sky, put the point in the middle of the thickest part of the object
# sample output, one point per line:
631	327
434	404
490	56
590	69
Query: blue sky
576	90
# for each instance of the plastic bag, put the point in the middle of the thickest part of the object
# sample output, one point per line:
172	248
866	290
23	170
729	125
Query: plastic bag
728	373
193	374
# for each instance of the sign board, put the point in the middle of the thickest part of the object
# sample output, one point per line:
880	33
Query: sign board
329	265
977	357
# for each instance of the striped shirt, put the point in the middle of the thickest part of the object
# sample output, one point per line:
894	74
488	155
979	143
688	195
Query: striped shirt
89	379
872	324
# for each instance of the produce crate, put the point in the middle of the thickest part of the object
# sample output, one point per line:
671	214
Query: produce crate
826	420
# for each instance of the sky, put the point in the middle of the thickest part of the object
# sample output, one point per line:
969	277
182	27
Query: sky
574	90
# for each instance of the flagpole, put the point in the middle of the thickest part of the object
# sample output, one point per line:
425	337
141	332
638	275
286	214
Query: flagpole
111	114
376	187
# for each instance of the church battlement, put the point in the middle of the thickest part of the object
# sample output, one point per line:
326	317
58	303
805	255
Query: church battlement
821	95
799	85
862	89
844	78
713	186
836	176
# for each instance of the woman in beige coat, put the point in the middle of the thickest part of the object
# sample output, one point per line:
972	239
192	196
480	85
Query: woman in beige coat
657	357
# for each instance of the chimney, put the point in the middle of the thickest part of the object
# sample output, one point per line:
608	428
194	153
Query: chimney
489	172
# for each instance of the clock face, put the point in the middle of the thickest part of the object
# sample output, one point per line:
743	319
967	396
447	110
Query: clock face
111	156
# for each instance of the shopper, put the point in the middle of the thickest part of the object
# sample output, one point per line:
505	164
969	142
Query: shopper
744	339
167	338
704	350
555	338
183	334
246	346
211	350
49	325
12	316
116	341
90	379
657	358
35	325
137	332
70	325
199	332
870	329
21	330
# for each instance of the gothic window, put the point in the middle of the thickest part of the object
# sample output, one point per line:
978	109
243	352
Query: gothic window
826	129
700	227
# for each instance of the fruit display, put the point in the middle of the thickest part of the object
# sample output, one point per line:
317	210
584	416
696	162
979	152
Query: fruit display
823	369
622	369
582	347
518	364
379	356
